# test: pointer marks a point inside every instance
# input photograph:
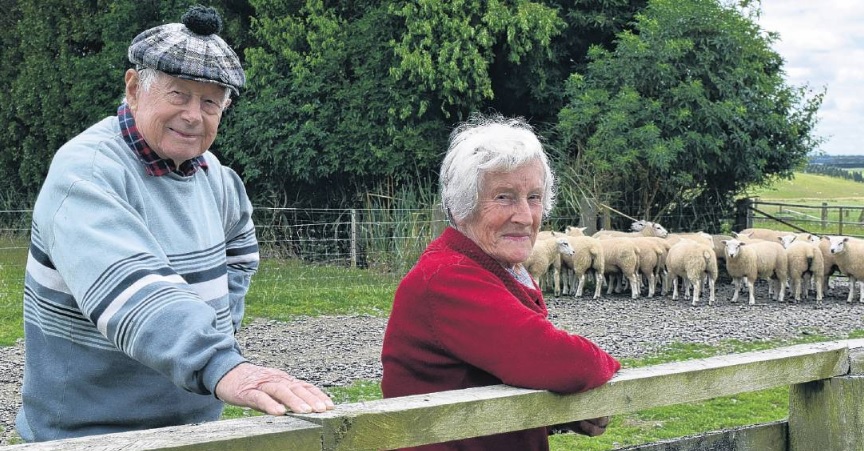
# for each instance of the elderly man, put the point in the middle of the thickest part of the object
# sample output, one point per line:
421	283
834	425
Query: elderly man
142	253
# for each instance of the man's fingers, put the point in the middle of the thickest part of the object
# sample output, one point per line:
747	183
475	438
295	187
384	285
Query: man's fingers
270	391
299	396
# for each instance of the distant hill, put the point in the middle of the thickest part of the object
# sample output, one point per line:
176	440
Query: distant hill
839	161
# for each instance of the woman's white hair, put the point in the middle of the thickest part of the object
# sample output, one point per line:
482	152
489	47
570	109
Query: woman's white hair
488	143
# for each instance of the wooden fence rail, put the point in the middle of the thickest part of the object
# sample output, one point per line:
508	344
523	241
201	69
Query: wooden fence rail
826	410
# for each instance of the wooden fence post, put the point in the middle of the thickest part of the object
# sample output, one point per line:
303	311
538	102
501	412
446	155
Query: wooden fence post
743	215
587	216
827	415
353	238
840	225
824	214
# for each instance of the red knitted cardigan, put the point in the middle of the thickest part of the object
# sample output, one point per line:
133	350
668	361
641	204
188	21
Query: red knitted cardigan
460	320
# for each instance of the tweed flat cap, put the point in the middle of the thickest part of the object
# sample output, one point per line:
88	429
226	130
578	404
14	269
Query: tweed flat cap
190	50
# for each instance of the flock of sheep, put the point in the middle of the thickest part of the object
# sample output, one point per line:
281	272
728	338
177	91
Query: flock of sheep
649	256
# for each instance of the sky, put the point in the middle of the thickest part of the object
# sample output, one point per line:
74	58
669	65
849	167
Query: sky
822	44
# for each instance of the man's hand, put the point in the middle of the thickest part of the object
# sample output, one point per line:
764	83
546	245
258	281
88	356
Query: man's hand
270	391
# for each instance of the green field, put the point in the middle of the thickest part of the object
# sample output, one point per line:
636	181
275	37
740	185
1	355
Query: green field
813	188
820	204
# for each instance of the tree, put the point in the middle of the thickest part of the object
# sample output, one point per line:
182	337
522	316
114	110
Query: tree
686	111
346	98
63	65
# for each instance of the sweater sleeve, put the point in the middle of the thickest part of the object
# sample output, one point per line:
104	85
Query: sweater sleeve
114	267
241	245
475	317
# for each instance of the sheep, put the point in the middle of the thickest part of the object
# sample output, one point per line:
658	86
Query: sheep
575	231
622	256
719	248
693	262
546	234
587	256
695	236
750	261
829	261
804	261
546	254
652	259
649	229
763	234
848	253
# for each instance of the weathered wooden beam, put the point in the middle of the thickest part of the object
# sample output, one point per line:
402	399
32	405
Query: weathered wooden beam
246	434
856	356
443	416
436	417
827	415
760	437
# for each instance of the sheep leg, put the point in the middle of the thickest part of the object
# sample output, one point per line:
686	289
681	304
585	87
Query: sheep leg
652	283
697	285
737	282
581	285
818	290
851	290
622	284
751	288
556	281
711	291
634	284
598	284
674	288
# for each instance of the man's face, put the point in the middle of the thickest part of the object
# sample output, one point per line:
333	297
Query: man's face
178	118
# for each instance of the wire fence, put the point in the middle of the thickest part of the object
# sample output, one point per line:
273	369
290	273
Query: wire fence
386	241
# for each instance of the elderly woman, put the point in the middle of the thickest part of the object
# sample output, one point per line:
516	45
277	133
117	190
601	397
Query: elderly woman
469	314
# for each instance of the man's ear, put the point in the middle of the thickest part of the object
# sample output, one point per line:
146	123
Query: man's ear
132	85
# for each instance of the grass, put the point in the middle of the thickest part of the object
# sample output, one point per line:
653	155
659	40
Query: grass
283	290
13	255
814	187
810	193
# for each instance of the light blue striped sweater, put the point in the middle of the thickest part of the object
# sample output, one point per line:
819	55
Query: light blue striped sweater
134	289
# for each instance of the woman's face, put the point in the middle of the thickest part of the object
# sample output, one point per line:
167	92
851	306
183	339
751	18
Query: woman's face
508	214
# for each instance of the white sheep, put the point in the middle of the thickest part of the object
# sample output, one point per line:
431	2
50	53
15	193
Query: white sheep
750	261
829	261
546	234
575	231
587	256
648	229
546	254
804	262
622	256
694	262
762	234
652	260
695	236
849	255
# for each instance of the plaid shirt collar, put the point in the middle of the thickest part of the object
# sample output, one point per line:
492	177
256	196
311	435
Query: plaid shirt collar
153	165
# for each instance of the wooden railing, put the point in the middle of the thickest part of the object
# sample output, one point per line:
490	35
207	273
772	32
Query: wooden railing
825	411
823	219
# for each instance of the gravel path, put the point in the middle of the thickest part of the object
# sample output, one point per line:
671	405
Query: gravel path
336	350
